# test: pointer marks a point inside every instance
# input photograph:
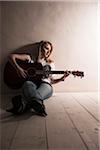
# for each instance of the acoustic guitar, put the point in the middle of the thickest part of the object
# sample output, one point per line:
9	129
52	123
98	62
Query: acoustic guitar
35	72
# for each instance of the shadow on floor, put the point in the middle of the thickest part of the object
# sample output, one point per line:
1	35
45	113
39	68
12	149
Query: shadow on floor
8	117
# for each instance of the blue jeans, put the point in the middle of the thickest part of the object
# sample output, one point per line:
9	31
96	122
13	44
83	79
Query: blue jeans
41	92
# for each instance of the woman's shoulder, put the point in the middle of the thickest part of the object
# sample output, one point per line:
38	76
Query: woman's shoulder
51	63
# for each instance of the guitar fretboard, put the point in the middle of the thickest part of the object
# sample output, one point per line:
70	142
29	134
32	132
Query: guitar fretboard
52	72
58	72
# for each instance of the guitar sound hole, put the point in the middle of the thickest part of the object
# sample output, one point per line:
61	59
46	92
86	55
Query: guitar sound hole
31	72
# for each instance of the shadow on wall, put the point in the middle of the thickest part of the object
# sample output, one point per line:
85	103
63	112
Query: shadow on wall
7	92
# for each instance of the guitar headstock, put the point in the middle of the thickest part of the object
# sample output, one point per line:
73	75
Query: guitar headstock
78	73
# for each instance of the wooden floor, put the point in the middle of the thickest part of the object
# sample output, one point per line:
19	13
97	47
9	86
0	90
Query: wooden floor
72	124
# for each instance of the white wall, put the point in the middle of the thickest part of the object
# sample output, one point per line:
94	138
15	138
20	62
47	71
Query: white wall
70	26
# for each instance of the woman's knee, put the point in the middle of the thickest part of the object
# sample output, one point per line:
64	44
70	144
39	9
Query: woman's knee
29	89
28	84
45	91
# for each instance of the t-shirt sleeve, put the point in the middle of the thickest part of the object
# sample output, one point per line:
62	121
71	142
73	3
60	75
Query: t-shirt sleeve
52	65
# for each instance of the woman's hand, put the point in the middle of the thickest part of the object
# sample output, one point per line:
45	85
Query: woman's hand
21	72
66	74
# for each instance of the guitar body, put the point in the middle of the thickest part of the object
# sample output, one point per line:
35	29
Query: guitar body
35	73
12	79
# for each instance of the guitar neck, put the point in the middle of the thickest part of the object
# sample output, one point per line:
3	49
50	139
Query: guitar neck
75	73
59	72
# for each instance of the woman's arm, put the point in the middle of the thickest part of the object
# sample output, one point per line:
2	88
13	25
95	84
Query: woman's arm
54	81
23	57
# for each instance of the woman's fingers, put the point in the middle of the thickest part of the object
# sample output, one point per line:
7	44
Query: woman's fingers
66	73
22	73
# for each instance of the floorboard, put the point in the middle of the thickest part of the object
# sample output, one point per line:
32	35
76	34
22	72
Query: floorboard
87	104
85	124
72	124
61	132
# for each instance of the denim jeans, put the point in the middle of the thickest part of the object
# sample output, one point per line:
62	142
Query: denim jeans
41	92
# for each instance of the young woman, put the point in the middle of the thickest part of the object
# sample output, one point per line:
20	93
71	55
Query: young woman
33	94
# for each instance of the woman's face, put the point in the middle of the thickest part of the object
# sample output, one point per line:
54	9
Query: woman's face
46	50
